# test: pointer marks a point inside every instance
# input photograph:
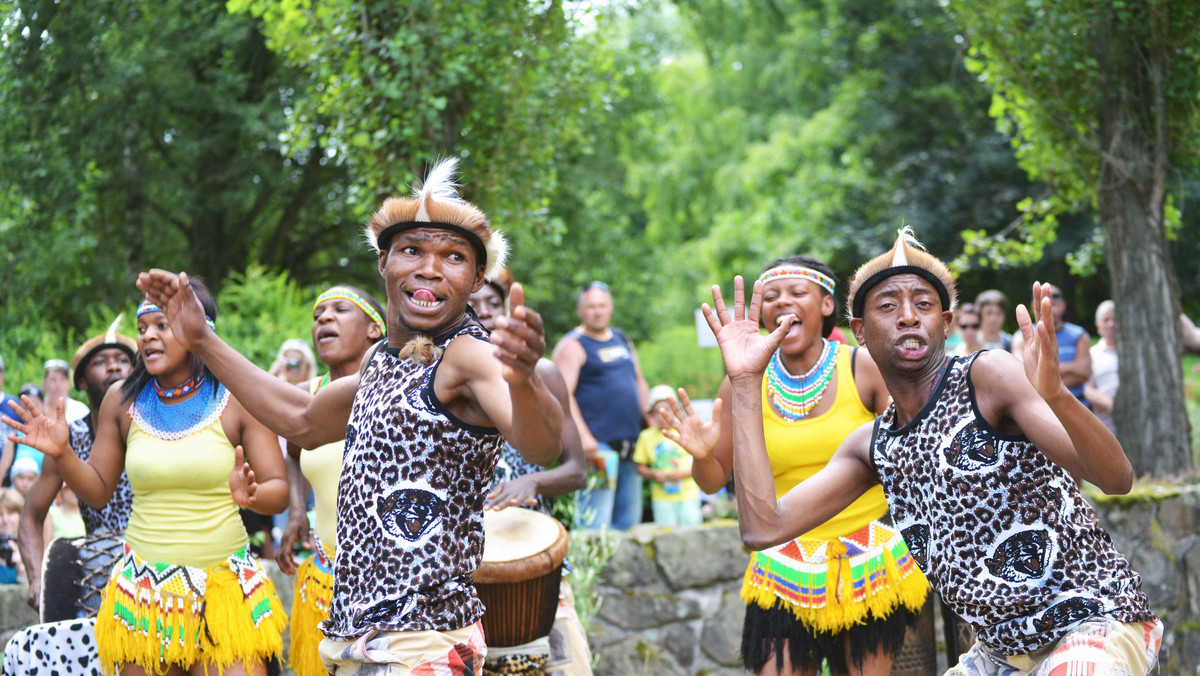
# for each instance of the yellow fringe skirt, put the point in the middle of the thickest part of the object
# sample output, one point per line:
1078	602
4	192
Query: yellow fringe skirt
158	614
312	590
832	585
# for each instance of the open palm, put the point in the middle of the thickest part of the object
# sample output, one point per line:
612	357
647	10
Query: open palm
685	427
1041	344
48	435
744	349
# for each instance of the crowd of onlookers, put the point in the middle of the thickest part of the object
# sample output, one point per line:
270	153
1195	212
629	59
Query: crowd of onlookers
20	466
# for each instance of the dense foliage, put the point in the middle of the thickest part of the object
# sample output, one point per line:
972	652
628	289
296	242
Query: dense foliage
658	146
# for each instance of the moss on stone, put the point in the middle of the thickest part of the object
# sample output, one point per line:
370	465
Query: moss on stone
1143	491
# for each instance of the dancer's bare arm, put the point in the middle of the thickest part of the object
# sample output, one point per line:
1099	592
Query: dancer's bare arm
1030	398
497	385
764	520
31	539
95	480
571	473
289	411
258	480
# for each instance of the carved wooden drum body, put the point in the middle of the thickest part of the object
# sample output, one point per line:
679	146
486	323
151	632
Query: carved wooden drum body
518	580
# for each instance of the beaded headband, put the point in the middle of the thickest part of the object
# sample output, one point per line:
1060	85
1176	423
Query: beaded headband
147	307
798	272
346	294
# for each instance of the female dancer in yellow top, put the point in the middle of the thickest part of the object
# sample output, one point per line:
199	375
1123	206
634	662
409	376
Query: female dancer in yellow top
187	597
346	323
842	592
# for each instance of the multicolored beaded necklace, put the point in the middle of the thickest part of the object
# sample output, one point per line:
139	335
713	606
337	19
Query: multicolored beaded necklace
794	397
183	388
172	422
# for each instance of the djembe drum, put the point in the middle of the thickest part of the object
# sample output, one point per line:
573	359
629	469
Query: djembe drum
74	573
518	580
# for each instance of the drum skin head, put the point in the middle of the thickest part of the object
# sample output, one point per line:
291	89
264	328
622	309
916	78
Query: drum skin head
520	544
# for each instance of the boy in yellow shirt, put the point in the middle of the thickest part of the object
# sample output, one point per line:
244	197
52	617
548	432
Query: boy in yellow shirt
674	495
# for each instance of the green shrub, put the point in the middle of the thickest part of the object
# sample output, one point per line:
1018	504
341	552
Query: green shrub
673	357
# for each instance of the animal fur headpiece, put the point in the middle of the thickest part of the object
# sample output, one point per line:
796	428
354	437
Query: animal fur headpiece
436	203
109	338
907	257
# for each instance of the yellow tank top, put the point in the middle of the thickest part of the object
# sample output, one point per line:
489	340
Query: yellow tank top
183	512
800	449
322	466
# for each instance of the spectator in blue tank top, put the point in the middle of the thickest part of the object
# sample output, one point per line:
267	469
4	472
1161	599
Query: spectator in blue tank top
601	368
1074	346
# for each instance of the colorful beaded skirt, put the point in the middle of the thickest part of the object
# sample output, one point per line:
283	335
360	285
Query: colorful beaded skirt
312	590
156	615
831	585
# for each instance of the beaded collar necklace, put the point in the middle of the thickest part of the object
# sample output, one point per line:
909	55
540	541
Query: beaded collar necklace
172	422
794	397
183	388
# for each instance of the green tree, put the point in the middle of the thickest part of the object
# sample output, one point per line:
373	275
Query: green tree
141	134
392	86
1100	97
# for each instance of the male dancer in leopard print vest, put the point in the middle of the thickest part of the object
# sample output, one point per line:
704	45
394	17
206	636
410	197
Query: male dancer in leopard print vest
423	421
979	458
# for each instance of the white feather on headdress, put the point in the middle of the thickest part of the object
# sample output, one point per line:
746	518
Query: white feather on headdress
905	236
110	336
440	185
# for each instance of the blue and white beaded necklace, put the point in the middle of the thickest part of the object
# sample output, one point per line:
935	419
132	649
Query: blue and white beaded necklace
172	422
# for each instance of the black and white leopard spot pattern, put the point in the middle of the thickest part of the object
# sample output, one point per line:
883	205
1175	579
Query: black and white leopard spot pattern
410	504
1000	531
65	648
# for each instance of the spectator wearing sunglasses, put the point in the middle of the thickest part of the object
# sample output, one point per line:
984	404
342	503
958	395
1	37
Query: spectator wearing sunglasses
968	321
1074	346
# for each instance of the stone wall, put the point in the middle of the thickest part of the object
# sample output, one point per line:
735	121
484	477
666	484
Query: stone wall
1157	527
670	600
670	603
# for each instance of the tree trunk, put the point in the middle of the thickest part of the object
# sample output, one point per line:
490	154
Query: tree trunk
1149	409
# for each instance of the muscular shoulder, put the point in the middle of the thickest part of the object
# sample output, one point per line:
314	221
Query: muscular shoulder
466	358
568	347
998	379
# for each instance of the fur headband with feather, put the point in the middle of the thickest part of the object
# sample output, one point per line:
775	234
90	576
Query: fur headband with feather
436	203
907	256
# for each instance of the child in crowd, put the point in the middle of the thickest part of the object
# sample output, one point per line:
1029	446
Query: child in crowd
65	519
11	503
674	495
24	473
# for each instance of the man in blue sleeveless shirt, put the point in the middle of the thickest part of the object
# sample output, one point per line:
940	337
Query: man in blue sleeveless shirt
601	368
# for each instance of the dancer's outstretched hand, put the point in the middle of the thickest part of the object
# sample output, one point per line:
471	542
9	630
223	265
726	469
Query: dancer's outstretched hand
520	338
48	435
1041	345
745	350
242	485
685	427
297	529
173	294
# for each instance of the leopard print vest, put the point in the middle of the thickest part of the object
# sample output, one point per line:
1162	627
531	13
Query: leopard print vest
114	516
1023	561
410	503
